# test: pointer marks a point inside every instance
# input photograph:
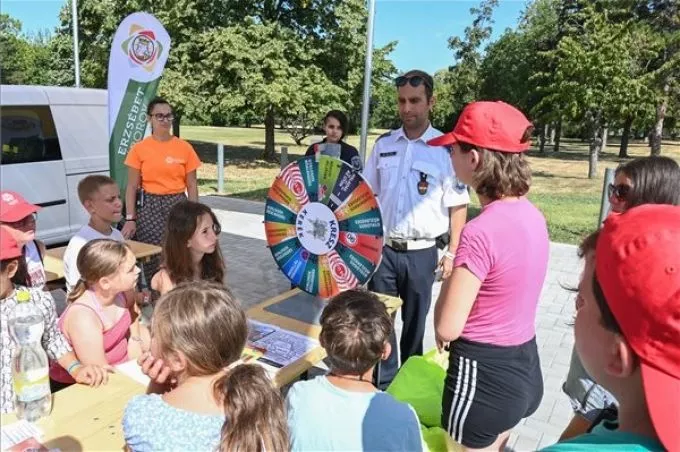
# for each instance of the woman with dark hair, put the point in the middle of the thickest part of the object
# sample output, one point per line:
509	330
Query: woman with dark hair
164	167
335	127
486	310
645	180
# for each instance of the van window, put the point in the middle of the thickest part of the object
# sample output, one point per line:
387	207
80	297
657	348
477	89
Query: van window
28	135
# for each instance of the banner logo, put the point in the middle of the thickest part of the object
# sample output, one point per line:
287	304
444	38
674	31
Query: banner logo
142	47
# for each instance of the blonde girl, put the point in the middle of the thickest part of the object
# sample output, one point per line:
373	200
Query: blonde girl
199	332
97	322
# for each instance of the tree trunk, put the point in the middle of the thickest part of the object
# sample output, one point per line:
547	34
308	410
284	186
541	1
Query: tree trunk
595	146
657	132
605	132
269	153
175	125
558	135
541	139
623	150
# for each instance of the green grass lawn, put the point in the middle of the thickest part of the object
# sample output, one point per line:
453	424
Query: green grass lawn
560	187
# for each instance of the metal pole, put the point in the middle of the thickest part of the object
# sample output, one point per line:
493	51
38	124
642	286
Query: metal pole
368	70
76	51
220	168
604	202
284	156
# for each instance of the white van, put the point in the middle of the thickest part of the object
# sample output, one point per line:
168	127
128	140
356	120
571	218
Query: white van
52	137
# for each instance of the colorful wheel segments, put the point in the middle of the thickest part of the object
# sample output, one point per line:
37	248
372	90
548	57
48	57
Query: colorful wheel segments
323	225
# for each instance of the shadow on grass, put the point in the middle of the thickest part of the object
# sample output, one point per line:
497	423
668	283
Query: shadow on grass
548	175
209	187
574	154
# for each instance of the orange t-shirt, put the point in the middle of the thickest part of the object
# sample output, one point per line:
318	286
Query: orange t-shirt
163	165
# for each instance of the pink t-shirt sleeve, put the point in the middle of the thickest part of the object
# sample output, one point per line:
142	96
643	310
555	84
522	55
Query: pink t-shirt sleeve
474	252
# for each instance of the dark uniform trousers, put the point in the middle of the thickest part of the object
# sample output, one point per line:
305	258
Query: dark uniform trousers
408	275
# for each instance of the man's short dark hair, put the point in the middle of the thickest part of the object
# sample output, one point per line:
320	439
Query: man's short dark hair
429	81
354	329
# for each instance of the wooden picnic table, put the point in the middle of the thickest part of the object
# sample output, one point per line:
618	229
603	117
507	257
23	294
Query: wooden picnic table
54	258
85	418
294	370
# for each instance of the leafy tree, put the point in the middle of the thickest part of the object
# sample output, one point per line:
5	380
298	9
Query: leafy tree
23	59
663	19
461	84
592	74
315	56
384	111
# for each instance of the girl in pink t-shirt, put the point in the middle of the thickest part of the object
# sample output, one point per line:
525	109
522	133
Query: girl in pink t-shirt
98	322
486	310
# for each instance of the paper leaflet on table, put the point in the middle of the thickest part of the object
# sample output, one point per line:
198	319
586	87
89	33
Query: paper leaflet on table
21	436
134	371
281	347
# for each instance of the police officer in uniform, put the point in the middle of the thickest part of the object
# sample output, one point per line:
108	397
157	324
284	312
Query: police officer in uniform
421	199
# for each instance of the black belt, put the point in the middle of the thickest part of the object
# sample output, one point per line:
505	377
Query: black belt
402	245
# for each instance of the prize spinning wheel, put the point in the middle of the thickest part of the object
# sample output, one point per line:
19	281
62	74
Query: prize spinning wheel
323	225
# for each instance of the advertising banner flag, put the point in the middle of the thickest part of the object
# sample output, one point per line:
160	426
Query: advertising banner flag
138	54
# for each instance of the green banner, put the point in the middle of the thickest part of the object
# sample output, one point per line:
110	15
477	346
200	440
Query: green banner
138	55
129	127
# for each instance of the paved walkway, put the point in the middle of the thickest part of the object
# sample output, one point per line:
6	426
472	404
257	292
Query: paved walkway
253	276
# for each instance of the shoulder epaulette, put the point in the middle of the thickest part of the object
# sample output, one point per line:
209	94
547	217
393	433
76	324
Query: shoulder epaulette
386	134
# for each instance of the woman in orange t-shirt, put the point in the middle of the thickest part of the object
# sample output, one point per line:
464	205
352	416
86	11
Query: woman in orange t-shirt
165	168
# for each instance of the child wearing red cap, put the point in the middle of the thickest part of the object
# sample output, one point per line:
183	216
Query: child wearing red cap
53	341
486	310
646	180
18	218
627	330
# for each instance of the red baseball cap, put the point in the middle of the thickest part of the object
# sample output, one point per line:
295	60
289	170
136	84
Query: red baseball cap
638	267
496	126
13	207
9	249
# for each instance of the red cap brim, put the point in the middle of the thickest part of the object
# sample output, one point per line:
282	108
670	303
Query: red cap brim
18	213
444	140
662	393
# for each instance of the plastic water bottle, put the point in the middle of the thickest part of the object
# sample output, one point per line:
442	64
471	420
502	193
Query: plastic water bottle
30	369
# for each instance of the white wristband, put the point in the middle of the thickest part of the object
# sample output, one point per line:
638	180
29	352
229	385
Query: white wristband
449	255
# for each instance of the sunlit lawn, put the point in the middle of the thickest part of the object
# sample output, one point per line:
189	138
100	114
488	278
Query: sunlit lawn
561	188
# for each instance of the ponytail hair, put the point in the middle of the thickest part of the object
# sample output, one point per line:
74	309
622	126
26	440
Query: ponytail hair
254	410
204	322
97	259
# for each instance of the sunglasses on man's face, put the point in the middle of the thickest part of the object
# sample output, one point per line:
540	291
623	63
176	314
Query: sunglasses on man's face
620	191
414	80
162	117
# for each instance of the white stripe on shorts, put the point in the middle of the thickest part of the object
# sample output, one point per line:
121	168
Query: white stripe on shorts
473	386
462	399
455	396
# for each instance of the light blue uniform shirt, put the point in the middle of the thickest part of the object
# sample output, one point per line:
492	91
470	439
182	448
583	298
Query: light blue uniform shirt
322	416
394	169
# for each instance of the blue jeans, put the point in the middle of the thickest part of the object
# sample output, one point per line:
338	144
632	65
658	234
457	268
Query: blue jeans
408	275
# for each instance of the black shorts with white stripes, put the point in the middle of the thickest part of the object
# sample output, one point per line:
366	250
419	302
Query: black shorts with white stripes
489	389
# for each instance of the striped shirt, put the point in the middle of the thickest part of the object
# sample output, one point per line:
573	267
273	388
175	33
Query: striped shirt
53	341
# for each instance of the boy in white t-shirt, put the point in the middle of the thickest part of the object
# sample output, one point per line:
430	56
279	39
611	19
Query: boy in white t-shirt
100	196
